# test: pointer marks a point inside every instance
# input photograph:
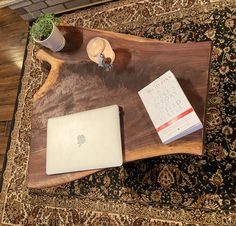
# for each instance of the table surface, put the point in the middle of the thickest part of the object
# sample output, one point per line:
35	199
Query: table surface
75	84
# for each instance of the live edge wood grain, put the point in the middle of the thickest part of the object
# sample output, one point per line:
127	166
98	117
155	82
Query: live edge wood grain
76	84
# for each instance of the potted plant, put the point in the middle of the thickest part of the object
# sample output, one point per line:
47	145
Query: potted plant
45	32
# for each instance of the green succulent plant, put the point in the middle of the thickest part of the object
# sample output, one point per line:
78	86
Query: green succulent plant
43	26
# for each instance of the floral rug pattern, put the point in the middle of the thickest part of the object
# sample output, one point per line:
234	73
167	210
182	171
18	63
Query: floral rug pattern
168	190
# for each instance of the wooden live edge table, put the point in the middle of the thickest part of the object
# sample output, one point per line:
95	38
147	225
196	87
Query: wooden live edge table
77	84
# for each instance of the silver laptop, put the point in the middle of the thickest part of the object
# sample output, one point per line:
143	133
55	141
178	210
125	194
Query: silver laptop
83	141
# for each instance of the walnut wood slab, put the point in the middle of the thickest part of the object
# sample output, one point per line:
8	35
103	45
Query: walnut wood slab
76	84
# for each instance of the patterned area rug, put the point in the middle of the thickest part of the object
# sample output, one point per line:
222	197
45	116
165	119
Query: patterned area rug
168	190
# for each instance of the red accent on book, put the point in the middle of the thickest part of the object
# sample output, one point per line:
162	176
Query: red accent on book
174	119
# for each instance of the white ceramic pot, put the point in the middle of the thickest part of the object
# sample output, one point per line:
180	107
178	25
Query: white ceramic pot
55	40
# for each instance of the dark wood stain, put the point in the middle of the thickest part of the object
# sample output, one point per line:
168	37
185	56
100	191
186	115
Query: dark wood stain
81	85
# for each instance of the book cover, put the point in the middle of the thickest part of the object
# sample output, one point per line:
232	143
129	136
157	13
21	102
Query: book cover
169	109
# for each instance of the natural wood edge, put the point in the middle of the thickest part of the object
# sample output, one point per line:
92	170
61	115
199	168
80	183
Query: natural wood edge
55	63
60	180
129	157
43	55
152	152
140	39
127	36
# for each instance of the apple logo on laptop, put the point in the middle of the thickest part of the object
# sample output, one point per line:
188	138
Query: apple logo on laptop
80	139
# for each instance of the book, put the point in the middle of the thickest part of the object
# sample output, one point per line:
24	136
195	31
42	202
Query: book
169	109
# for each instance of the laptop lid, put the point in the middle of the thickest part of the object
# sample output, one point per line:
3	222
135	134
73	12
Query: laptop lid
83	141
